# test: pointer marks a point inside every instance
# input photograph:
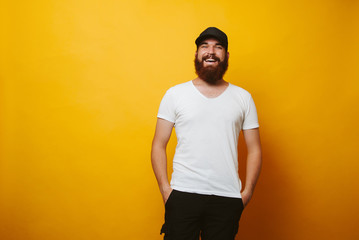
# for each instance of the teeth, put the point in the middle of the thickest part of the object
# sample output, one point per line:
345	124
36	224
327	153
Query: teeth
210	60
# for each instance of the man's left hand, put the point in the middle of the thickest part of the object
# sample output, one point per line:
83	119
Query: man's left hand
246	197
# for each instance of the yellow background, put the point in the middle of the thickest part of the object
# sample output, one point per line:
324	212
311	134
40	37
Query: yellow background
81	82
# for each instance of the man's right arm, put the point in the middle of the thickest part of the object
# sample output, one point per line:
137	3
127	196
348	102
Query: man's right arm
159	157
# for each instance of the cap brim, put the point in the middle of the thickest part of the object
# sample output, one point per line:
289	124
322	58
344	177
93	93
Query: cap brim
200	39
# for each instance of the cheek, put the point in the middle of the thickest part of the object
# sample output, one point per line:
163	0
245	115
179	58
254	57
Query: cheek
221	55
199	58
196	56
200	54
223	58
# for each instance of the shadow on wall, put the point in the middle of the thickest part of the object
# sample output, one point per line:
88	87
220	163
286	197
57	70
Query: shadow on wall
270	207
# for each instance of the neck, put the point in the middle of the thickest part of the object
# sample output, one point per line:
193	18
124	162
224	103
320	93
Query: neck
200	81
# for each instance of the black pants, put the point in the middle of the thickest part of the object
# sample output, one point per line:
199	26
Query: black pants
189	215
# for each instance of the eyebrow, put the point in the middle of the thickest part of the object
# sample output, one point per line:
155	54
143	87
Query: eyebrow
217	44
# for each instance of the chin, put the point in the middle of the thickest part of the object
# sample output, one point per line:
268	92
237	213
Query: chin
211	74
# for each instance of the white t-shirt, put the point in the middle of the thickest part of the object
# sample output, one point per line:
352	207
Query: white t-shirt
207	129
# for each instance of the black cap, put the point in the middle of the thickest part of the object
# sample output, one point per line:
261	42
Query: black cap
215	33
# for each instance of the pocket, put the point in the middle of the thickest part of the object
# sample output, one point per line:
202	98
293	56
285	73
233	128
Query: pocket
169	197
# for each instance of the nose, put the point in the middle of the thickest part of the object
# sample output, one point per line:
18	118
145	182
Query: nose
211	50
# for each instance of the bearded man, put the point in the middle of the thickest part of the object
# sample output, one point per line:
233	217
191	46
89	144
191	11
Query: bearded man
205	198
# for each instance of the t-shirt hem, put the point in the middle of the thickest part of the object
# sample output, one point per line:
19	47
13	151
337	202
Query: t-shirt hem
165	118
222	194
251	127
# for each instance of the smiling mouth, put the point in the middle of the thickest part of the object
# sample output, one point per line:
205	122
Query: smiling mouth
210	60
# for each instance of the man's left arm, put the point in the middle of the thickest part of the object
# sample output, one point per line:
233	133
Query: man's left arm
254	162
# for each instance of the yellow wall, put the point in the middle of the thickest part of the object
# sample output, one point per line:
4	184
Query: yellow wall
81	83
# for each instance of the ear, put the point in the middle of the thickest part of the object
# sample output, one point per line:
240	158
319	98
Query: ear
227	55
196	54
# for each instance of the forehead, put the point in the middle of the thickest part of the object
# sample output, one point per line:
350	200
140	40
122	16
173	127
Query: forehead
210	41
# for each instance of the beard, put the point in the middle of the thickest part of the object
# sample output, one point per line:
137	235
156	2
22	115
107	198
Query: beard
211	74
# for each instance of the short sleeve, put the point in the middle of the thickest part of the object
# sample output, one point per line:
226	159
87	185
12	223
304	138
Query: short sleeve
251	118
167	108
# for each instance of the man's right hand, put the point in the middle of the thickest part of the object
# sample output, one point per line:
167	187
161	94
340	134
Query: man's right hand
166	193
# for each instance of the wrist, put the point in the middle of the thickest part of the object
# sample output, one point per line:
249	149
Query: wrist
247	192
165	188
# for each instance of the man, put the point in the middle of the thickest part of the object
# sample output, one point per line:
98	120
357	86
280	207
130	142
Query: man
208	113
